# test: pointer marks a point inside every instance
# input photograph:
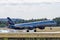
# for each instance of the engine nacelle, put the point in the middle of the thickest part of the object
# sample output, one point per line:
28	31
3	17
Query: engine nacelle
30	28
41	27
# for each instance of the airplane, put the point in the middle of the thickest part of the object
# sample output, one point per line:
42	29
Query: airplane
31	25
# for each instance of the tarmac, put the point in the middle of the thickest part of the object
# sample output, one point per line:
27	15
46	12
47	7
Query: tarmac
46	33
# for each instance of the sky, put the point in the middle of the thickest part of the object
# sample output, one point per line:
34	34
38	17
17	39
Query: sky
28	9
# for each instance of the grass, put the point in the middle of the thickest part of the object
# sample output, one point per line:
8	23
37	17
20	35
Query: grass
49	29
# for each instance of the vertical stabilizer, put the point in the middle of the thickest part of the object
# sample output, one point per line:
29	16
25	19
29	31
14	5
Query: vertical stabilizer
10	21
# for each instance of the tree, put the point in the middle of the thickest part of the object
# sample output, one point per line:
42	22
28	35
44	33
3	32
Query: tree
57	19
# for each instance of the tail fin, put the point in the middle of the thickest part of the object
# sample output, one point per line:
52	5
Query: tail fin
10	21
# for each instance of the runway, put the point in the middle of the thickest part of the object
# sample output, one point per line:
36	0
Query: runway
16	31
43	32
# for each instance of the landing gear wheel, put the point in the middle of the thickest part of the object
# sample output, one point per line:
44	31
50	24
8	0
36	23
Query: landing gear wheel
34	30
27	30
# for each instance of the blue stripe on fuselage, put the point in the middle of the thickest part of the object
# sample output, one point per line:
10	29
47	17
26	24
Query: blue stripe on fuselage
33	24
